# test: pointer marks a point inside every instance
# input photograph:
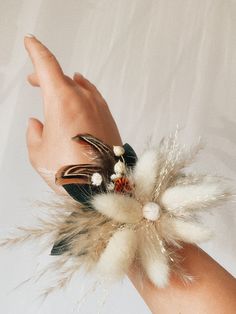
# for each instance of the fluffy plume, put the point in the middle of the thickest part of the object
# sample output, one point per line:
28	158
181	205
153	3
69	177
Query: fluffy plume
190	232
205	193
153	258
118	255
145	174
118	207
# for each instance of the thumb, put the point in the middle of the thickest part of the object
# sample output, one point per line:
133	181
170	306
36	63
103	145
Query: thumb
34	133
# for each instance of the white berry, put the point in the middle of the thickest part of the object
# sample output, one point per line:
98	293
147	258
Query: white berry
118	150
115	176
151	211
120	167
96	179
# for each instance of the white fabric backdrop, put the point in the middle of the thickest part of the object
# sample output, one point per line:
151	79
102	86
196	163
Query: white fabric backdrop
158	64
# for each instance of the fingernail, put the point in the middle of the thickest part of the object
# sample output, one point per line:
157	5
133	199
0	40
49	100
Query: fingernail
29	35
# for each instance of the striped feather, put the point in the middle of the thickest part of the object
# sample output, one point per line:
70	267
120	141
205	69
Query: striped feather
103	155
80	174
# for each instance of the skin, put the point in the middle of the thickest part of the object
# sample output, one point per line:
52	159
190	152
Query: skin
212	292
70	106
74	105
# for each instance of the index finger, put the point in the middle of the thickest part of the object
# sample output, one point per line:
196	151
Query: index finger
46	66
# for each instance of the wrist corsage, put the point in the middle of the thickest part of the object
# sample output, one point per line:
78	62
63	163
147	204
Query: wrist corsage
121	209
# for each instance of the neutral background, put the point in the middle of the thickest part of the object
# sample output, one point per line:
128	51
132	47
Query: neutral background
158	64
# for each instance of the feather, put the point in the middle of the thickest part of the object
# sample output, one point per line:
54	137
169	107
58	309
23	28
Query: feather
80	237
103	155
205	193
120	208
118	255
83	193
80	174
76	179
129	156
49	177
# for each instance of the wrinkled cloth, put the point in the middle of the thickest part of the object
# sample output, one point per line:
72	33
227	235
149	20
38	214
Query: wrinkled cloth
158	64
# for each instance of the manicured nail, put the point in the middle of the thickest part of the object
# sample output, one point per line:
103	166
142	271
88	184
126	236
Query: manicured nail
29	35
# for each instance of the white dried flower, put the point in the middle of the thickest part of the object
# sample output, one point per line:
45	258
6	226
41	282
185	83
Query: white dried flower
96	179
115	176
118	150
120	167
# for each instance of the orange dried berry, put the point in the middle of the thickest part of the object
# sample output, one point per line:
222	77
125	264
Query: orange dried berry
122	185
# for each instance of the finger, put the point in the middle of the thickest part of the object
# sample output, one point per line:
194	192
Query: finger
34	81
78	78
82	81
47	68
34	133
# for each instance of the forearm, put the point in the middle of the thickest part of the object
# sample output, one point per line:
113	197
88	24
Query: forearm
213	291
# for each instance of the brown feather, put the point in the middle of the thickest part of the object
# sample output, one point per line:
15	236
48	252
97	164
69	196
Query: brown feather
80	174
103	155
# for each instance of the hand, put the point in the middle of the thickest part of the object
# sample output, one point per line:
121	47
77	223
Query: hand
71	106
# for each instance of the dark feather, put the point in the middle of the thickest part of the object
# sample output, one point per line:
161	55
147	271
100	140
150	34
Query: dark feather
103	153
83	233
83	193
76	180
130	156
